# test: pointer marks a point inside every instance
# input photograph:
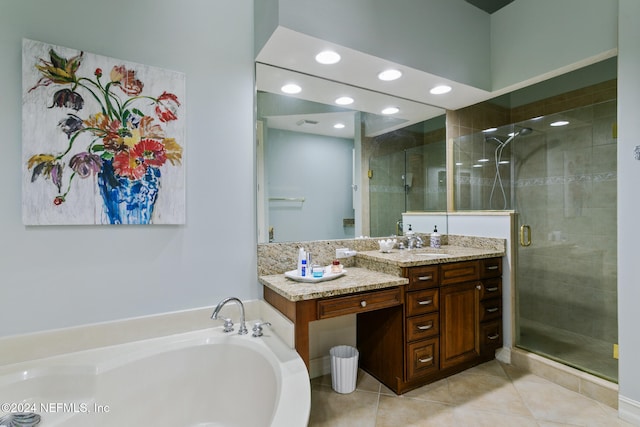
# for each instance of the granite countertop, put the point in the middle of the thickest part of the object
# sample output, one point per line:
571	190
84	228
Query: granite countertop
427	255
355	280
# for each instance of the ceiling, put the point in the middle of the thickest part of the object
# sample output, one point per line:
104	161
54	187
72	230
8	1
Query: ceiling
489	6
295	51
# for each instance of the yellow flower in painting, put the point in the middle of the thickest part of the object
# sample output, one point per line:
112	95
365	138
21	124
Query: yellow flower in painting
58	70
131	141
173	150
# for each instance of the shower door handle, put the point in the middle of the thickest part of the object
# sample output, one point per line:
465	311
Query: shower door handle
525	230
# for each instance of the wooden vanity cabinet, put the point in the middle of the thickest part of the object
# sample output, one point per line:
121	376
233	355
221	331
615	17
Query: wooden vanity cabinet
452	320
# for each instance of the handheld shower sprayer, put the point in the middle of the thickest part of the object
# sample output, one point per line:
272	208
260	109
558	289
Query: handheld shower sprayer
497	180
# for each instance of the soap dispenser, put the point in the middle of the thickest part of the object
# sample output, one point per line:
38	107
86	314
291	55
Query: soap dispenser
434	241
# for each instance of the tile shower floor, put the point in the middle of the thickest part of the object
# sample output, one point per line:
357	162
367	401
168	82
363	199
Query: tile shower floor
492	394
583	352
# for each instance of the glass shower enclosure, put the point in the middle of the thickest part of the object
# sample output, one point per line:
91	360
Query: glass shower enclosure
406	172
558	173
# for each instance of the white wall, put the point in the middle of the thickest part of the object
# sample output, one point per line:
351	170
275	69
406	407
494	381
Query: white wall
447	38
541	38
628	208
53	277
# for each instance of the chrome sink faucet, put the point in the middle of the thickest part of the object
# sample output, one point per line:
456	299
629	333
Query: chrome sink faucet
414	241
228	324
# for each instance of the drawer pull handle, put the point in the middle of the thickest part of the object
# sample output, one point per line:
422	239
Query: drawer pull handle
494	337
492	289
492	309
363	304
423	278
427	302
425	327
427	360
492	267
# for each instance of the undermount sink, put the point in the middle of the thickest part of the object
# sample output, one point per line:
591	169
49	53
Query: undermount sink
413	253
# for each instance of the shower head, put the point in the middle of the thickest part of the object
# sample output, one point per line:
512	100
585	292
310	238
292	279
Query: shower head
524	131
521	132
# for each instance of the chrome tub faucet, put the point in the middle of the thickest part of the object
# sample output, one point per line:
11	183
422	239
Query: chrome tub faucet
228	324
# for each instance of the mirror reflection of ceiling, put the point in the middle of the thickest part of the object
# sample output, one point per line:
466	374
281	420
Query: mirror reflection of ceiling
313	109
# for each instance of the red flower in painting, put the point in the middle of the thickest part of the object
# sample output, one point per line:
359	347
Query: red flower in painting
167	107
134	163
151	152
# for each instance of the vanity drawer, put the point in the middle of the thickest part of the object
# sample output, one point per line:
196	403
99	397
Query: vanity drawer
490	309
459	272
491	288
422	358
359	303
490	267
424	326
422	302
490	337
422	277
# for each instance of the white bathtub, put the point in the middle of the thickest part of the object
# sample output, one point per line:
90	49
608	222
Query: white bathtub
203	378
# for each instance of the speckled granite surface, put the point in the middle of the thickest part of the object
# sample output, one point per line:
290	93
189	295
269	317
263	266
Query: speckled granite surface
424	256
370	269
355	280
276	258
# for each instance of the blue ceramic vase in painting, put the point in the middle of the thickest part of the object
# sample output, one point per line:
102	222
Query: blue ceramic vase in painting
128	201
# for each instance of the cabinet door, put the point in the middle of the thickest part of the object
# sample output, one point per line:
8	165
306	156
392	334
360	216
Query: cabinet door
459	323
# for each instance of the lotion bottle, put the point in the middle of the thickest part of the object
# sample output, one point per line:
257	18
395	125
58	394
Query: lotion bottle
434	240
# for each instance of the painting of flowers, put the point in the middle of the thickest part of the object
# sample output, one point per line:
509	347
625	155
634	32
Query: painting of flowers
103	139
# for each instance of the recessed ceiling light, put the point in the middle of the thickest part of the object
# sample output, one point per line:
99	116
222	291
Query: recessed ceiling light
390	110
388	75
477	166
485	160
344	100
291	88
559	123
339	126
440	90
503	162
328	57
459	163
490	130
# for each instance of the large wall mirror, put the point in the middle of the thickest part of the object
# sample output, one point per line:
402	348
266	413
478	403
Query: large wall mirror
330	169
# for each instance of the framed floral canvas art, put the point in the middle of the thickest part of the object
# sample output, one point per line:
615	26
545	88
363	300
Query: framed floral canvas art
103	139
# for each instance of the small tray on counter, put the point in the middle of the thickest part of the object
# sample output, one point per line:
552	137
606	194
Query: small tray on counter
293	275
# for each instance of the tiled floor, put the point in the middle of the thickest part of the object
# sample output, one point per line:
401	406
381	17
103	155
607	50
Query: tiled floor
492	394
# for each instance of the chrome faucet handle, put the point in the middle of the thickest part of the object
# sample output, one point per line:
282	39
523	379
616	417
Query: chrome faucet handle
228	325
257	328
243	328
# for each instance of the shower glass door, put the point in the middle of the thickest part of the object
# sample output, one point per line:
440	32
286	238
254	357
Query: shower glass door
564	191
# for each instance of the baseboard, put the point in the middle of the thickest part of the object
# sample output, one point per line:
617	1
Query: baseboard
629	410
319	366
503	354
